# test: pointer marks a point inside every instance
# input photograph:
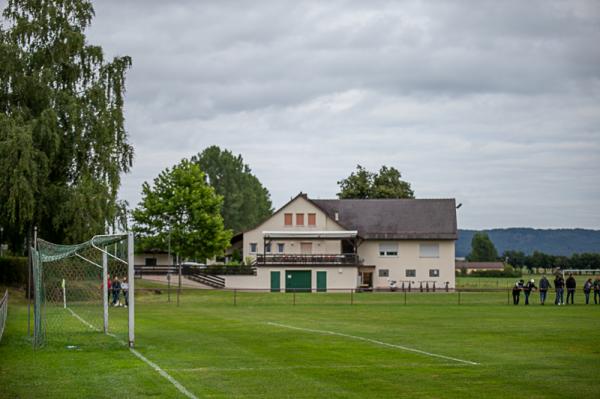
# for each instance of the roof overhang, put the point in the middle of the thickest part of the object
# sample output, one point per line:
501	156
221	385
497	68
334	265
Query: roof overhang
323	235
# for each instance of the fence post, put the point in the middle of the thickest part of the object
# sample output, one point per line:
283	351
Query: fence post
421	286
351	296
405	297
434	286
169	287
427	286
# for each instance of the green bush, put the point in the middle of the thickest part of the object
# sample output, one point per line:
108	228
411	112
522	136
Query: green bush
13	271
507	272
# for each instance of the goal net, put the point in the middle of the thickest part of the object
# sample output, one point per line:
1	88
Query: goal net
86	288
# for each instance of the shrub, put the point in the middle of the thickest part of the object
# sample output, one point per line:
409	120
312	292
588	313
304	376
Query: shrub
507	272
13	271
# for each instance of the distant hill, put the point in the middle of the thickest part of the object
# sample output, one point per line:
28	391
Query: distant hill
555	242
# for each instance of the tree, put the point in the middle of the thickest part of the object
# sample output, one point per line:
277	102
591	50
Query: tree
482	249
245	201
63	145
363	184
182	206
515	258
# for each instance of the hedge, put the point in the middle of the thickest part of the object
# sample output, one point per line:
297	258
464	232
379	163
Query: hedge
494	273
13	271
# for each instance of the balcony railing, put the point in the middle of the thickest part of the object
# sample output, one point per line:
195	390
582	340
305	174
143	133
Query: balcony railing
308	259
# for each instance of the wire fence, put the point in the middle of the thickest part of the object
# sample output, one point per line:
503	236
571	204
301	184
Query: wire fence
299	297
3	312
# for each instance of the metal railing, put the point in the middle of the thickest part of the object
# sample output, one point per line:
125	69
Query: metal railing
308	259
3	312
187	270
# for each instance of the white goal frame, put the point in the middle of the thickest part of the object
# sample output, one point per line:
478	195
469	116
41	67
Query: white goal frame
591	272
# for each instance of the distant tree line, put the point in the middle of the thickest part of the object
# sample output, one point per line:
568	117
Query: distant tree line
483	250
539	260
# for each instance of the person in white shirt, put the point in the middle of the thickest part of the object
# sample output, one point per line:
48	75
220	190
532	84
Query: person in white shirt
125	289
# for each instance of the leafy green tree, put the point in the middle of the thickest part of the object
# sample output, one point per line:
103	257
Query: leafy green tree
245	201
358	185
515	258
181	204
482	249
363	184
63	145
388	184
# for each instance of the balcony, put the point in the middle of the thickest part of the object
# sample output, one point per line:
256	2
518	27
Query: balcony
308	259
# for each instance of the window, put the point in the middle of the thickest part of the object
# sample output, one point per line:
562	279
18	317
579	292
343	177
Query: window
388	249
287	219
312	219
253	247
429	250
384	273
299	219
268	247
411	273
280	247
150	261
434	272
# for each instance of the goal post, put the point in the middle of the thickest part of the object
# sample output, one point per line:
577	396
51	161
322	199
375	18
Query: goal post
580	272
84	288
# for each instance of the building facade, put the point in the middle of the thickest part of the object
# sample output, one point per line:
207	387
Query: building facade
348	244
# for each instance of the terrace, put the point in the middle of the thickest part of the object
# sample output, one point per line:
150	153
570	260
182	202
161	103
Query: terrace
308	259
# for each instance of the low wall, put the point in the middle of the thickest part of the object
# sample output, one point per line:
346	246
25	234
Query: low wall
338	278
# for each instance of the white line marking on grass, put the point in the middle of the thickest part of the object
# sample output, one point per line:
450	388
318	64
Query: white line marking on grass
405	348
173	381
160	371
327	367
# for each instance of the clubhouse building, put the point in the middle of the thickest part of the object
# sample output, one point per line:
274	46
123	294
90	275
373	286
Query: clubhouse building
351	244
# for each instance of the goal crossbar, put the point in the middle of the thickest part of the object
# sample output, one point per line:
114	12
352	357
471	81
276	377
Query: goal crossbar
55	264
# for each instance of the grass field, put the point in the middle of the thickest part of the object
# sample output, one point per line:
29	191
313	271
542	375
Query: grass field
320	347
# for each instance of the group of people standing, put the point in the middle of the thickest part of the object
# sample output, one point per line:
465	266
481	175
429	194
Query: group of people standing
559	287
115	288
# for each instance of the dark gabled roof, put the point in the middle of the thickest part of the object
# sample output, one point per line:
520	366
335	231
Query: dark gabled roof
388	219
479	265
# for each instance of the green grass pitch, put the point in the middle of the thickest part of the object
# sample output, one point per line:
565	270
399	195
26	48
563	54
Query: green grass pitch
217	350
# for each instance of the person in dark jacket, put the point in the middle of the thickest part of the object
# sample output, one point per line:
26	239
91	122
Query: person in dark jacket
587	288
116	287
559	286
516	292
530	286
544	286
596	290
571	285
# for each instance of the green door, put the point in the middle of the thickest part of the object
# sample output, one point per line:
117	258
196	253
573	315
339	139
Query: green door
321	281
297	280
275	281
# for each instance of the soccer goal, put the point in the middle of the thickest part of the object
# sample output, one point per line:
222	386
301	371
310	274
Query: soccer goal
580	272
84	288
3	312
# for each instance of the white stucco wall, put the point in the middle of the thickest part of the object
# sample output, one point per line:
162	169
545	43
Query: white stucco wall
277	223
409	258
161	259
338	278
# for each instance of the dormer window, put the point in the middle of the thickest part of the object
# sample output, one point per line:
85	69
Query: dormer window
312	219
299	219
287	219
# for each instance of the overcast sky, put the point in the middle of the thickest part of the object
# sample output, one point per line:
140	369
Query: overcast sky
494	103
